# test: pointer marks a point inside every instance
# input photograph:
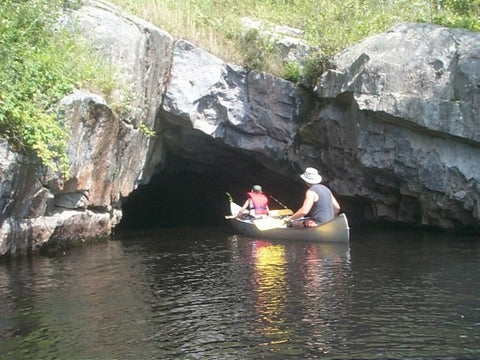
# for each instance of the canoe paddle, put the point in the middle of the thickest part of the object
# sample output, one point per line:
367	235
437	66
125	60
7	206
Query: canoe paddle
280	212
272	213
278	202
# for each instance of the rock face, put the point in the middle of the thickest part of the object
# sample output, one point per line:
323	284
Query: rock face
109	154
394	129
409	102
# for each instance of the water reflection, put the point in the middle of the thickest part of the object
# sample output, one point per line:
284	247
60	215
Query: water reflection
294	283
72	303
198	294
269	284
415	294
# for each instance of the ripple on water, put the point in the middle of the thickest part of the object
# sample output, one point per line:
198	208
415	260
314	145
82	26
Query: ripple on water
197	296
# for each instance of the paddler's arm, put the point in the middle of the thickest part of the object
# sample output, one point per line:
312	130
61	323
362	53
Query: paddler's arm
244	207
336	206
306	206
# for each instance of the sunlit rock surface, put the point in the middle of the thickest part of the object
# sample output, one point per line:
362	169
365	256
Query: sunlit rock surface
409	102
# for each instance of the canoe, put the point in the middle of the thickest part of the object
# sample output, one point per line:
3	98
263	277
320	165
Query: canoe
336	230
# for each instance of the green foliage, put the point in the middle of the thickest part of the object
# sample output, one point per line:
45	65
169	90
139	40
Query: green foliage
73	4
147	131
315	66
292	72
458	22
31	78
458	14
462	7
39	64
330	25
258	50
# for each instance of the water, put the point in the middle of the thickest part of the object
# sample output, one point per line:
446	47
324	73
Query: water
207	294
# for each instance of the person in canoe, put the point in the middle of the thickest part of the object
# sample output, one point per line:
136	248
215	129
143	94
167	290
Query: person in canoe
256	203
319	204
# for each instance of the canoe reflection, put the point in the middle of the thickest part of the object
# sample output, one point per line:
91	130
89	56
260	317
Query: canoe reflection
287	275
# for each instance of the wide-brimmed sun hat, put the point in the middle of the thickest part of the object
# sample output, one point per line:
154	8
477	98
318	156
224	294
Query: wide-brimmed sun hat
257	188
311	176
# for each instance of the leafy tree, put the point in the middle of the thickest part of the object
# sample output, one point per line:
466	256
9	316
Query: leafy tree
40	62
32	77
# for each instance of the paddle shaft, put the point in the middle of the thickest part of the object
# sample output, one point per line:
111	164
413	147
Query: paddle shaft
274	213
278	201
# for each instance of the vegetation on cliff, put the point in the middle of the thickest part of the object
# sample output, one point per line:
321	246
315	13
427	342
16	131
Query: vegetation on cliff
39	64
330	25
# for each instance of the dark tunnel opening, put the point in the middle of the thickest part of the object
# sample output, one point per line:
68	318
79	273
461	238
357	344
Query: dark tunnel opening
192	193
188	193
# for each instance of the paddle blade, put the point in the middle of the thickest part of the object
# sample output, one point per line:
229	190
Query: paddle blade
280	212
268	223
234	208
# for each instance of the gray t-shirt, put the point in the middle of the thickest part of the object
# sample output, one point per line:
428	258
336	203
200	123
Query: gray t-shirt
322	209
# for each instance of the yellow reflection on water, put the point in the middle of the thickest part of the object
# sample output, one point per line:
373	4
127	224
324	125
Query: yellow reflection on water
270	280
298	288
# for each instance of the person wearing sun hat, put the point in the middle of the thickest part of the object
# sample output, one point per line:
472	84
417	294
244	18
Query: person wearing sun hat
319	204
257	204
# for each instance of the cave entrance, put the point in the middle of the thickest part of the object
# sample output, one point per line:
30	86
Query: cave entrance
189	193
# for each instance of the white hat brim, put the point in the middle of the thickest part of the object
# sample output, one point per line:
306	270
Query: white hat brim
317	180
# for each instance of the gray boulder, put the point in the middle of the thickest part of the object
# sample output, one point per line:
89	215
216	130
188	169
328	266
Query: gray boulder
408	104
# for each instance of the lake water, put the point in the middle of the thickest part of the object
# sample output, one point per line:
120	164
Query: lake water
204	293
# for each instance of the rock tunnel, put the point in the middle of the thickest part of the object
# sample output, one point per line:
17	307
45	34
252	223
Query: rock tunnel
189	185
191	193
